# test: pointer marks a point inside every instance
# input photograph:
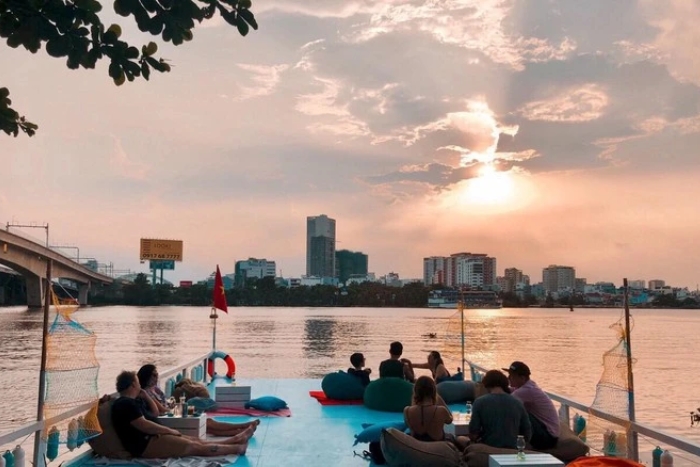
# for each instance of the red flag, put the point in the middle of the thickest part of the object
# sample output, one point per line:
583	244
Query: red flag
219	292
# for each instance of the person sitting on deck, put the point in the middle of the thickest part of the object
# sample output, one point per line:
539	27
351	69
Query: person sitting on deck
435	365
429	414
540	408
396	367
143	437
497	417
155	403
358	362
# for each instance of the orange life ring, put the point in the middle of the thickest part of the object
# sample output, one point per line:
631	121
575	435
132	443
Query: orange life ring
226	358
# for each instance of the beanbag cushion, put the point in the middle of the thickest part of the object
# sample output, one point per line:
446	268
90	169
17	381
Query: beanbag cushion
568	448
266	403
400	449
202	404
342	386
373	431
388	394
108	443
456	391
189	389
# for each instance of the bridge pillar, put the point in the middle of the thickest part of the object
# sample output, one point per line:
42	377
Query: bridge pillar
83	290
35	292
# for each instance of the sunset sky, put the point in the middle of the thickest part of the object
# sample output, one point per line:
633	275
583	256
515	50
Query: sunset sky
536	131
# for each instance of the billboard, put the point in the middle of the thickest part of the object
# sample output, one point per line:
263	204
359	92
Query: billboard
152	248
166	264
185	284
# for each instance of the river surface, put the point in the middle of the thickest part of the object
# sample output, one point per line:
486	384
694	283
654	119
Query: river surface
563	349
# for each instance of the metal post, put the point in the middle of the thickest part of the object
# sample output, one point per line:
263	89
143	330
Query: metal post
632	437
461	317
38	441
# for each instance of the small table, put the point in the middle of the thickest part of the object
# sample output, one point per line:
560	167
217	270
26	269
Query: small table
459	425
188	426
531	460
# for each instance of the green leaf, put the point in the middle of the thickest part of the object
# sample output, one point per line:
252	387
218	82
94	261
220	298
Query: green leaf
58	47
242	26
249	17
132	53
145	71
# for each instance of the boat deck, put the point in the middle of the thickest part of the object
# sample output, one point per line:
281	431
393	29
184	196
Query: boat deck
315	435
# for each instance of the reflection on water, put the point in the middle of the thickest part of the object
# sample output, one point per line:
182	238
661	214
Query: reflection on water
564	350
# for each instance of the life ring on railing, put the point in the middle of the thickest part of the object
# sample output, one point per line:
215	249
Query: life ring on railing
225	357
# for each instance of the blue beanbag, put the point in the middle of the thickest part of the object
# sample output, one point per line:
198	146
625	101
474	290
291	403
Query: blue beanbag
342	386
202	404
266	403
456	391
373	431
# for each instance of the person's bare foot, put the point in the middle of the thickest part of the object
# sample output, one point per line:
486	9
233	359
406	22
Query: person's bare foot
240	449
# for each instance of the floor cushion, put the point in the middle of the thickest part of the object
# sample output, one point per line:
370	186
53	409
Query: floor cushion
454	392
342	386
266	403
108	443
388	394
403	450
372	432
568	448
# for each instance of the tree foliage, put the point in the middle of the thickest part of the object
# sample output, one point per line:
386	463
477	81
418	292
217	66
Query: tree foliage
72	29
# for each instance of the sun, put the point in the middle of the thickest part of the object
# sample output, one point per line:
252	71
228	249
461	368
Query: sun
490	187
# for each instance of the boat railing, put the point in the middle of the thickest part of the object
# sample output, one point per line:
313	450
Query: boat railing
633	428
38	426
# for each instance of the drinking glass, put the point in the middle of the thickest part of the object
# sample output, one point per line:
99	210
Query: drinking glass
520	444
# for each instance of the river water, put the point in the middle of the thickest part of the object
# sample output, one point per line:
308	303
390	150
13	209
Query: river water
563	349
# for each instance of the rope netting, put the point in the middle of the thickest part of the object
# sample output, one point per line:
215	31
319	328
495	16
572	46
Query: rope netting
613	397
71	378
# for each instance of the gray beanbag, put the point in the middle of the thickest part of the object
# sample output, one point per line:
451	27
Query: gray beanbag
456	391
402	450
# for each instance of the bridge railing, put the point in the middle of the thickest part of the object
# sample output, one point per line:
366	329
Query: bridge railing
633	428
23	433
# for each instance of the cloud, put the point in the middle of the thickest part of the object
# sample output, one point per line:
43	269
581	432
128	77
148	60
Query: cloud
264	77
470	24
575	105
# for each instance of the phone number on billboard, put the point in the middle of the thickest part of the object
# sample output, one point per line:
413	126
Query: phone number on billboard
155	256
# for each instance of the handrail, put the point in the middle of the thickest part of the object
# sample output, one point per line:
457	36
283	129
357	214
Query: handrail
678	442
38	426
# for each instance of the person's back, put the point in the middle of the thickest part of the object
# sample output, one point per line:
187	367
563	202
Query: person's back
498	419
539	405
426	417
391	368
124	411
358	370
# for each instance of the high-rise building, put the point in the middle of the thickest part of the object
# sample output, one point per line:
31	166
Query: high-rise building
320	246
434	269
638	284
350	263
657	284
556	278
253	268
512	277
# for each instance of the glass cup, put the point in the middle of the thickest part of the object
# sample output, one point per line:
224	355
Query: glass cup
190	410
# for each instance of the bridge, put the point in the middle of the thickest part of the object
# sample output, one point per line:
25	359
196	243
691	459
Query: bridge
30	259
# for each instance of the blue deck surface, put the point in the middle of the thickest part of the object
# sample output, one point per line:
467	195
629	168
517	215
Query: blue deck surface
315	435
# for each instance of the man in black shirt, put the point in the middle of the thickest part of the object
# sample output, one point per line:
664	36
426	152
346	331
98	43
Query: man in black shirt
142	436
359	371
395	367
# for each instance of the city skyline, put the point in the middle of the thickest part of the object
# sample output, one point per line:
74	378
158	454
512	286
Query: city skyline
508	127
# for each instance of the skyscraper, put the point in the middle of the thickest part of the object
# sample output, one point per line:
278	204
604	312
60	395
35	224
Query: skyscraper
350	263
320	246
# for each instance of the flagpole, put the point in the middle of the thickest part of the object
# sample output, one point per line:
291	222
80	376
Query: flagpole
213	316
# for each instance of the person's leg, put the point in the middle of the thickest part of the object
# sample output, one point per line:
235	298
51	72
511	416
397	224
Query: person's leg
229	429
167	446
541	438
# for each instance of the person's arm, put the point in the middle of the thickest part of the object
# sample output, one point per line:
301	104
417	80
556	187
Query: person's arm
525	428
150	403
423	366
150	428
447	415
475	423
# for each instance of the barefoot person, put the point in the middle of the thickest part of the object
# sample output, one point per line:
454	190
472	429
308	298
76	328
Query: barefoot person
143	437
154	399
